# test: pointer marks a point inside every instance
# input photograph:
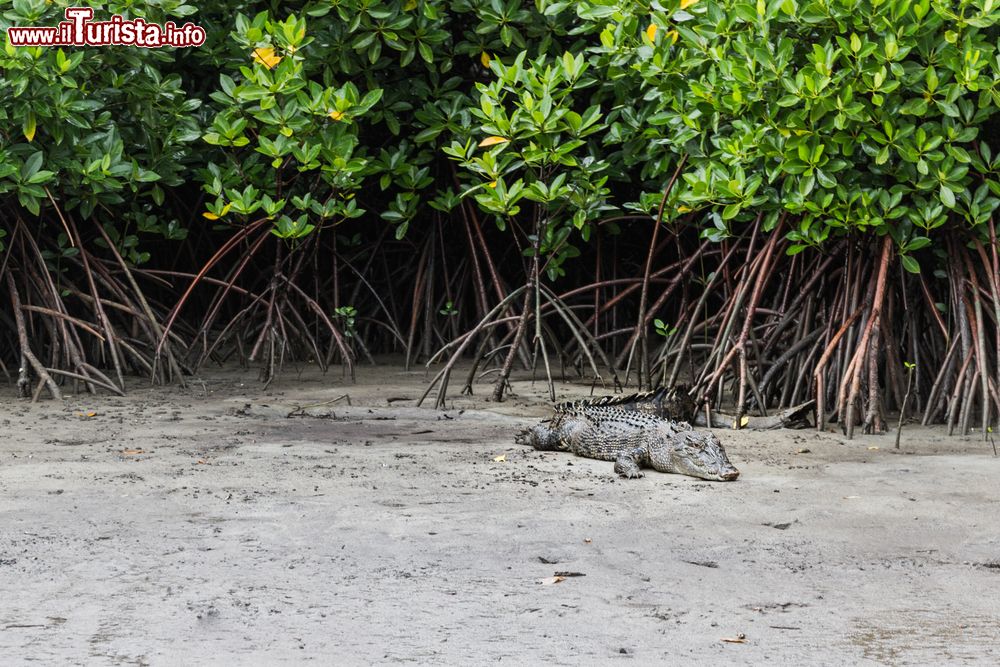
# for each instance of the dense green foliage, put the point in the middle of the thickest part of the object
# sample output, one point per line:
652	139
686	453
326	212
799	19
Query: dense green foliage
844	115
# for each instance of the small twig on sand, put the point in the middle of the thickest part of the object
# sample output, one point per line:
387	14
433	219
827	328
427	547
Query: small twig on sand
300	409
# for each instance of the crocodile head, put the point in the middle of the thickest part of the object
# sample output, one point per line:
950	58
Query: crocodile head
699	454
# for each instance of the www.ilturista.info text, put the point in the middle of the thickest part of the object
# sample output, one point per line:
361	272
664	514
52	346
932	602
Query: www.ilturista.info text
79	30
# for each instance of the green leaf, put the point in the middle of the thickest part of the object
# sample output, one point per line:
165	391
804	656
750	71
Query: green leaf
31	166
915	107
947	196
916	243
910	264
41	176
228	85
824	180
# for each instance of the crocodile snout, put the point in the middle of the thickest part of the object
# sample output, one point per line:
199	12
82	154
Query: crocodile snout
730	475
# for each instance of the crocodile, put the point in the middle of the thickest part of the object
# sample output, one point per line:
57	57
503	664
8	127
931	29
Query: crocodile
632	440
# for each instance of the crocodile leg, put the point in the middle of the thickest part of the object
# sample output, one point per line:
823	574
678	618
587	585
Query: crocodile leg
628	463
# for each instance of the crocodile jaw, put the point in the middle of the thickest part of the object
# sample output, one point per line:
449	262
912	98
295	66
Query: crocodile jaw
726	476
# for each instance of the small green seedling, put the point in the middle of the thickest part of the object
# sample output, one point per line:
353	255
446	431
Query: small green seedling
910	367
663	329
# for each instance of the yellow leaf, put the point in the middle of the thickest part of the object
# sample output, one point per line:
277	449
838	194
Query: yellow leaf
651	32
683	209
411	5
500	459
674	36
484	58
492	141
213	216
687	3
29	126
493	184
744	420
872	449
266	57
336	115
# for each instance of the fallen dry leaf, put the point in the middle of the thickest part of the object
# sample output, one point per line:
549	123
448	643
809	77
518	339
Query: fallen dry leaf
87	414
738	639
500	459
804	450
872	449
548	581
201	462
133	452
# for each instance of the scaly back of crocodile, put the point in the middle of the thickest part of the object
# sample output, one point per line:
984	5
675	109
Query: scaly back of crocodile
663	402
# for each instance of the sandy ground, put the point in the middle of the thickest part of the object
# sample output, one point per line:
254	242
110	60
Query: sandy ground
207	527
